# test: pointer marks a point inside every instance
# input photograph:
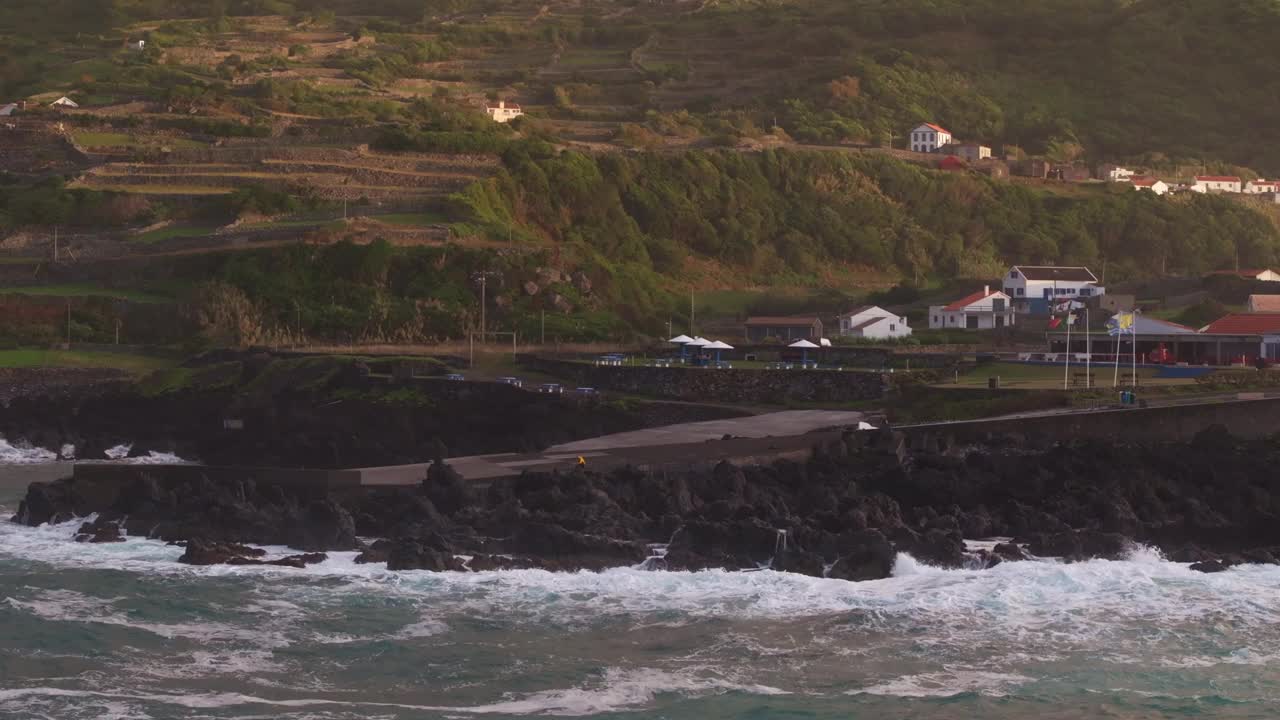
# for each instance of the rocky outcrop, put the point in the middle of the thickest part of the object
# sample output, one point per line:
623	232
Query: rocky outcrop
846	512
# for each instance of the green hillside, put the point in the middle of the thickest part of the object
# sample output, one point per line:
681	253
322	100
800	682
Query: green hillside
720	145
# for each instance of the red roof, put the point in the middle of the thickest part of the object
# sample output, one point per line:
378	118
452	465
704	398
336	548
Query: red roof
937	127
968	300
951	162
1217	178
1143	181
1244	324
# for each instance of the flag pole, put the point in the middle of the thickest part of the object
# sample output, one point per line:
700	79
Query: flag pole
1133	331
1088	351
1066	365
1115	348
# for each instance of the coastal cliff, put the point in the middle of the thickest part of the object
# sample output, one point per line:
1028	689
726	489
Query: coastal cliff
843	513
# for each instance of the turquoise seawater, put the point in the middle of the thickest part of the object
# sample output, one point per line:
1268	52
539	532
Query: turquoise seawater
124	631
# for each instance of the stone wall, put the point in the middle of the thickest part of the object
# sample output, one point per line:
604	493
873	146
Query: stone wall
704	384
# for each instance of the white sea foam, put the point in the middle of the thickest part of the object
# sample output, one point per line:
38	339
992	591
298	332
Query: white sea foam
24	454
947	683
617	690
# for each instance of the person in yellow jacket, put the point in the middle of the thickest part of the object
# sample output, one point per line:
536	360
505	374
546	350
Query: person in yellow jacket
582	462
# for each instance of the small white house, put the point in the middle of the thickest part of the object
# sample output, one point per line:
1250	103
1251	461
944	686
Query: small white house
502	112
1156	186
970	152
65	102
1260	186
8	109
1216	184
983	310
1115	173
874	323
1035	288
137	45
929	138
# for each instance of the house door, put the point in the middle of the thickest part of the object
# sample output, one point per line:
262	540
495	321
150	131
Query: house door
999	321
971	322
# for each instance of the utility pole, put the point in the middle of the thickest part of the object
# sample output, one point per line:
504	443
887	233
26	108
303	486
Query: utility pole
117	331
483	283
544	327
691	312
55	243
68	324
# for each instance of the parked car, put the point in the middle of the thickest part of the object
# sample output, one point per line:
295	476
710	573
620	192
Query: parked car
512	381
552	388
586	391
454	377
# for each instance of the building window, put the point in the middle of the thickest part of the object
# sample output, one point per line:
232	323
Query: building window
1019	292
892	327
1013	273
1086	292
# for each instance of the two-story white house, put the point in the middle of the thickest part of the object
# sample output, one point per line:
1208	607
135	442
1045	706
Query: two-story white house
983	310
1143	182
929	138
873	323
1216	183
1035	288
1260	186
503	112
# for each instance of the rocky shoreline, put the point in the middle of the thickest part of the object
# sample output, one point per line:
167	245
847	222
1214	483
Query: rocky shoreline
844	513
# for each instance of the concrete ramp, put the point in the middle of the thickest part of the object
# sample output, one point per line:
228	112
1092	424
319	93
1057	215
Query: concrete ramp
778	424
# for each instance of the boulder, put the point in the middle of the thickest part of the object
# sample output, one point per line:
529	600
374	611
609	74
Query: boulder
100	531
1209	566
202	552
1075	545
866	555
409	554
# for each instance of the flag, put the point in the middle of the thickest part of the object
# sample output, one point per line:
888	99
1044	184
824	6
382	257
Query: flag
1071	319
1066	306
1120	324
1054	322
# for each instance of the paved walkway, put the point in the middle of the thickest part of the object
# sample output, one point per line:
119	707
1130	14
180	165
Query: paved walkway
778	424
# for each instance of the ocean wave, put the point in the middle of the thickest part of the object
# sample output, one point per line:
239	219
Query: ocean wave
947	683
617	690
25	454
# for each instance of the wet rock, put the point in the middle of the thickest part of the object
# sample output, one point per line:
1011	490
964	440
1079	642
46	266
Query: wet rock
1010	551
1077	545
378	552
202	552
408	554
100	531
865	555
1209	566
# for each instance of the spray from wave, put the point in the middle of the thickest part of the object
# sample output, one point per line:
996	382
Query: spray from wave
26	454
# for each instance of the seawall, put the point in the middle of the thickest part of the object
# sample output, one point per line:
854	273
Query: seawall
1242	418
687	383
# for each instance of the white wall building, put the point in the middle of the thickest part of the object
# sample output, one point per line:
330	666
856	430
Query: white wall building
8	109
929	137
971	152
502	112
1115	173
1156	186
1034	288
983	310
137	45
65	102
873	323
1260	186
1216	183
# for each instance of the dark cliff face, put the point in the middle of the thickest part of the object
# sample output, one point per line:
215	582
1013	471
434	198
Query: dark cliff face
844	513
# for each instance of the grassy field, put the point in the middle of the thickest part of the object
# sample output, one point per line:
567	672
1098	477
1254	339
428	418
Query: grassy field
1049	377
103	139
80	359
85	291
173	231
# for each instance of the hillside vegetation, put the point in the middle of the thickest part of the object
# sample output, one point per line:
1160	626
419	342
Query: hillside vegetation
713	145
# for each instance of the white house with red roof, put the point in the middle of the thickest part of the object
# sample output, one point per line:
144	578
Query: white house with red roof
1216	184
503	111
873	323
1260	186
928	137
1146	182
982	310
